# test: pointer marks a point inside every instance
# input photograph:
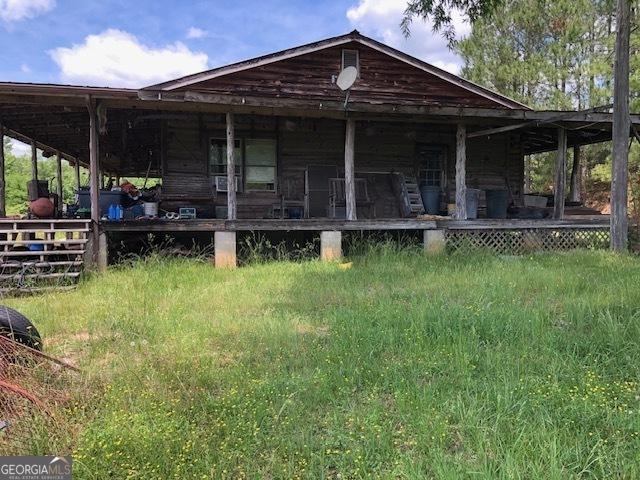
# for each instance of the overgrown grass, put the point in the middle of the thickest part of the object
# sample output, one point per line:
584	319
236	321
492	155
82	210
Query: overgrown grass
403	366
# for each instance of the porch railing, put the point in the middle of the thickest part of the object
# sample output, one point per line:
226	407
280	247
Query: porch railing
41	254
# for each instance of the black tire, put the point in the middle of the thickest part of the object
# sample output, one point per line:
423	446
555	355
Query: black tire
16	326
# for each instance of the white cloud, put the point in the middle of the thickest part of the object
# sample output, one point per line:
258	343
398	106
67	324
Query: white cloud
117	59
195	32
19	149
24	68
381	19
15	10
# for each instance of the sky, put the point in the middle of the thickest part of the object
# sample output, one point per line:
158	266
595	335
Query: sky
136	43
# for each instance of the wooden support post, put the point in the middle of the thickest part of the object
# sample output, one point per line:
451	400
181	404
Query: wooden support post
3	192
225	249
77	171
349	170
59	179
620	134
94	180
575	183
231	169
434	241
34	161
560	175
330	245
461	174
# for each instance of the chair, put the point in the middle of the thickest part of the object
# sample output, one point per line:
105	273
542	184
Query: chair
337	197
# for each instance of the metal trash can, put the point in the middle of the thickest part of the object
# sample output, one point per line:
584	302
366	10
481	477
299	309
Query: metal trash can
497	203
472	203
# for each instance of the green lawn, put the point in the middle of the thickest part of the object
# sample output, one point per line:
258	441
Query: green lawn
403	366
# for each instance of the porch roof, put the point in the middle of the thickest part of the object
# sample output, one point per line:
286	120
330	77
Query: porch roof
56	118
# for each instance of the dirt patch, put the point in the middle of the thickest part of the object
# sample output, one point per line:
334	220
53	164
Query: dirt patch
306	329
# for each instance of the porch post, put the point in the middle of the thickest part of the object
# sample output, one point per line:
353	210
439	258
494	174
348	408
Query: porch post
461	174
560	175
34	161
620	131
576	169
77	171
94	180
231	169
3	204
349	173
59	178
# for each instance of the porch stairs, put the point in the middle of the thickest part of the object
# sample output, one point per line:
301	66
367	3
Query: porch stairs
408	194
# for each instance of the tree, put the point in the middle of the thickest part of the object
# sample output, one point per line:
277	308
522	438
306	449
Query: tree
551	44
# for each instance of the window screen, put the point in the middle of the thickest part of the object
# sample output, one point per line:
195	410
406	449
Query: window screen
350	58
218	156
260	164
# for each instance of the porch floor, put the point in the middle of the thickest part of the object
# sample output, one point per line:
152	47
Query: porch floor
213	225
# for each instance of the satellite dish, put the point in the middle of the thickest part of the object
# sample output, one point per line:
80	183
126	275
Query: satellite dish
347	78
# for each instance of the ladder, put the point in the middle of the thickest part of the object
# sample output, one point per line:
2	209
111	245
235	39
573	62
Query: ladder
409	195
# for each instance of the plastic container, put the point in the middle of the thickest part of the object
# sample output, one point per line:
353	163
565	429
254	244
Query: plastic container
497	203
430	199
150	209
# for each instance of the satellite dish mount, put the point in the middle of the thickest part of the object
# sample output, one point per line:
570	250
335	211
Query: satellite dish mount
345	81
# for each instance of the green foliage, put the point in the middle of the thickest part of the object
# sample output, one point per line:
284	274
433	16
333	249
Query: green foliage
440	12
551	54
18	173
403	366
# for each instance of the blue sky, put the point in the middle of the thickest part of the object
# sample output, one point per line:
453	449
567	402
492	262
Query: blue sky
135	43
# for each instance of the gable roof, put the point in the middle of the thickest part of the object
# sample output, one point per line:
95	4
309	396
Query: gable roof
354	36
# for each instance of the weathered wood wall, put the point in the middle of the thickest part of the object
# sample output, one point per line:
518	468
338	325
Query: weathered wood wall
382	79
380	148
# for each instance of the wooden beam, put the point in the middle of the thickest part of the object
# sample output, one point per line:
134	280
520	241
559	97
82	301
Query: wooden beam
349	170
94	186
3	192
77	172
461	181
59	178
557	118
574	183
620	134
231	168
34	161
560	175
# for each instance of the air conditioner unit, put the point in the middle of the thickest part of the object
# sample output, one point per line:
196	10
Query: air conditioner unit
222	185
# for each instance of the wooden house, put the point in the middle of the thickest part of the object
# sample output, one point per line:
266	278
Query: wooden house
272	143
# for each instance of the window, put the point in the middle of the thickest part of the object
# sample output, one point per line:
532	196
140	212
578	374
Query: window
260	164
350	58
218	156
431	160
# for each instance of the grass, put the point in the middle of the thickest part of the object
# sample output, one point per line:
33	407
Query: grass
402	366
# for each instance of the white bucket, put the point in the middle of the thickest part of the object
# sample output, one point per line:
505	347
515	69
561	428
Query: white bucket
150	209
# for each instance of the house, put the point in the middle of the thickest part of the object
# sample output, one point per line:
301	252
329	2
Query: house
273	143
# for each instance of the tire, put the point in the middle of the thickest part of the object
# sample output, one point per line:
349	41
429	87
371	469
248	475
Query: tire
17	327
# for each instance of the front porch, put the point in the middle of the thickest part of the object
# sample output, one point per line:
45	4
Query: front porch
275	168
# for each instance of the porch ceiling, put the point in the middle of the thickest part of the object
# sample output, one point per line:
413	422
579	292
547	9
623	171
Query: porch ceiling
56	117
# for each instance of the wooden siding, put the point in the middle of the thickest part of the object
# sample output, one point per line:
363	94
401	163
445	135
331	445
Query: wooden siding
380	149
383	79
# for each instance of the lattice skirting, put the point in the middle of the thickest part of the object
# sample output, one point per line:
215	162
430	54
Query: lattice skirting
522	240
